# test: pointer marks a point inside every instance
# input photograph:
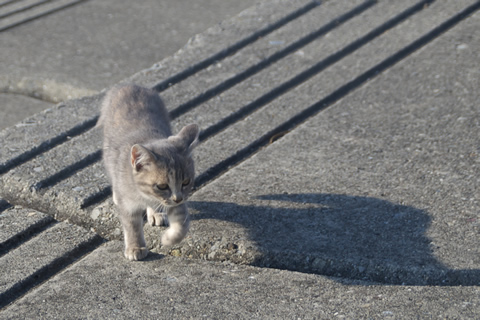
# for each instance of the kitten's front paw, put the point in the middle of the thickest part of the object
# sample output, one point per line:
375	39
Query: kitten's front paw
156	219
173	236
135	254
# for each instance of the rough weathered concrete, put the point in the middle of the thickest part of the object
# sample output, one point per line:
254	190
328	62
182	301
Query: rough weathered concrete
246	235
226	35
383	184
218	38
26	177
261	60
99	45
59	198
102	42
105	285
41	131
18	223
242	133
42	255
380	186
12	102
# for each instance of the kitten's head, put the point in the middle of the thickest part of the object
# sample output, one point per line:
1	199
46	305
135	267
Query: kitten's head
164	171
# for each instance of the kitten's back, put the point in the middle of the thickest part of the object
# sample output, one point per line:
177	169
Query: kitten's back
130	112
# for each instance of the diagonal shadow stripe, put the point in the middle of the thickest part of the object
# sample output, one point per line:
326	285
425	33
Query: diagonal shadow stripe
234	48
278	132
48	145
287	126
48	271
89	124
23	9
68	171
222	166
96	197
39	15
229	83
312	71
96	156
29	233
4	3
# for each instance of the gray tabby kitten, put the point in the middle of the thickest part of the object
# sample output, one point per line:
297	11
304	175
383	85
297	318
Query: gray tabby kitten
149	168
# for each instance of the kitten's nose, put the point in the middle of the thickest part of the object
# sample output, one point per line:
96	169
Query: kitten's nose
177	198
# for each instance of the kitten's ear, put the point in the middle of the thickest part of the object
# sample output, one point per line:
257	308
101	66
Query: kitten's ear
186	139
141	157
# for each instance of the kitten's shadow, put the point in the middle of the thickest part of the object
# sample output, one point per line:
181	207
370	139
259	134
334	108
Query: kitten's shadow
340	235
153	256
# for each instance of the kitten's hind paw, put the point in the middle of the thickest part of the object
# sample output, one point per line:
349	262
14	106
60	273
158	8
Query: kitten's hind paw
135	254
156	218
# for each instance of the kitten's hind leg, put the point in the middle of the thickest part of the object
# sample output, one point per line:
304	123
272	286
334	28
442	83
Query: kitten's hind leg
179	221
156	218
135	246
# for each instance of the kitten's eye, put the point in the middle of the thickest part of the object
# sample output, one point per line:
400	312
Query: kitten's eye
186	182
161	187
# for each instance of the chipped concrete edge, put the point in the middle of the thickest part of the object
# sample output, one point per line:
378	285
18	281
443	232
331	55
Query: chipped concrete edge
44	89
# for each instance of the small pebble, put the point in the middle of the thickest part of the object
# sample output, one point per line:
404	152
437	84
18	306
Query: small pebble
95	214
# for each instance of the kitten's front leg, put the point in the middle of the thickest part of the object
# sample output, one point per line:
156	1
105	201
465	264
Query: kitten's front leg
179	221
156	218
135	246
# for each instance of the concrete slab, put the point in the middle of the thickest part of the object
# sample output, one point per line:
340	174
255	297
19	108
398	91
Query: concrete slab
105	285
81	114
39	133
218	42
30	160
332	77
79	169
18	223
338	220
10	103
45	252
276	50
382	185
100	43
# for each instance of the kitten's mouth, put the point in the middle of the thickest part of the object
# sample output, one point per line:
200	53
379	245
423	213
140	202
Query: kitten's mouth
175	204
171	204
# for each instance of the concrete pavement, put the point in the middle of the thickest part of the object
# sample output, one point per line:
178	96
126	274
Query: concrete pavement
177	288
337	175
89	45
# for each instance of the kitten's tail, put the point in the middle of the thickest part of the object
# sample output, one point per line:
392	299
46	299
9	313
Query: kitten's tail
103	107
